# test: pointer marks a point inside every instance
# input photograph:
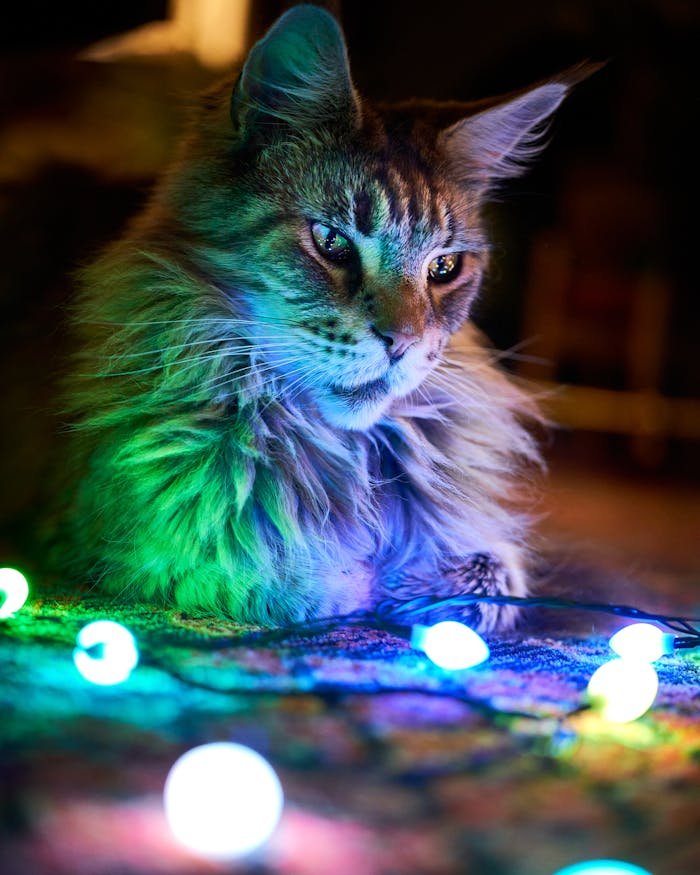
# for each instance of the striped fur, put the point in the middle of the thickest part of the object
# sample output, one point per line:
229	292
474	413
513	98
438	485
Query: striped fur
243	444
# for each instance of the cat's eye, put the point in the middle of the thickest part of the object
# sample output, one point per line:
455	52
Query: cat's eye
331	243
444	268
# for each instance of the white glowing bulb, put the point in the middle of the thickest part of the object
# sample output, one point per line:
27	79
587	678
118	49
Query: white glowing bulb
450	644
106	652
623	689
642	641
222	800
14	587
603	867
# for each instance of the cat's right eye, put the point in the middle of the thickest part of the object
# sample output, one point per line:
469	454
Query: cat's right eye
331	243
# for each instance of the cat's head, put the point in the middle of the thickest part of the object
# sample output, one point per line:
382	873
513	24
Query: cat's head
350	234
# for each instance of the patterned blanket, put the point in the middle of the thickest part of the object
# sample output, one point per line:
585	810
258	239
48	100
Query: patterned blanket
389	764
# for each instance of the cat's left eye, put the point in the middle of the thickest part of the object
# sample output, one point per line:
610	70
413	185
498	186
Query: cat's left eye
444	268
331	243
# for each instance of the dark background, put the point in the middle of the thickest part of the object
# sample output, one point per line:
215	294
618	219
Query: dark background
81	143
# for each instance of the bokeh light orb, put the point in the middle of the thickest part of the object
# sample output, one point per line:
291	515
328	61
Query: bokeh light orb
223	800
623	689
14	591
451	645
642	641
105	652
603	867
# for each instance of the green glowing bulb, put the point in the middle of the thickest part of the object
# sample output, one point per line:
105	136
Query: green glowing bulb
622	689
642	641
450	644
14	587
106	653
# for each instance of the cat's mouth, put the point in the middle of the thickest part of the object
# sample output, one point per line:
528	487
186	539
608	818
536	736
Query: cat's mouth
364	394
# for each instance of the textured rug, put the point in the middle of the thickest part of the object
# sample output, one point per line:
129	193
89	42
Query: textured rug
389	764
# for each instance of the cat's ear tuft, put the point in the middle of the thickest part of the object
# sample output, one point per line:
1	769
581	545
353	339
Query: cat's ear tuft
501	141
296	77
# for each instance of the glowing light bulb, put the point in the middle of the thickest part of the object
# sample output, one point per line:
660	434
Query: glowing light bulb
222	800
450	645
642	641
622	689
106	652
603	867
14	587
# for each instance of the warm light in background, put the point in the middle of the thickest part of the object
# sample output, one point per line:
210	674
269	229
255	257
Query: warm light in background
214	31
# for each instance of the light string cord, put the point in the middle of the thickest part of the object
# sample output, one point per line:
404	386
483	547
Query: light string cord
397	618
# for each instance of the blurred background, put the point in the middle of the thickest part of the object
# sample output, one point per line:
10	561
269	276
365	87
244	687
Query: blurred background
593	283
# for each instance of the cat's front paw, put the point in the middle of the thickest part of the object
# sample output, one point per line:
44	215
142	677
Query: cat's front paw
412	597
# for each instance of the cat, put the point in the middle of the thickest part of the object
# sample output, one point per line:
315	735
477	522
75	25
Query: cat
280	408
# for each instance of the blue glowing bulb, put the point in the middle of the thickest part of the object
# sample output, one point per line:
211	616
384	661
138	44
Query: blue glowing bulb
623	689
450	645
603	867
222	800
105	652
15	589
641	641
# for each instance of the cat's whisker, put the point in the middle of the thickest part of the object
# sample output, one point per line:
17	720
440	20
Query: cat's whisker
224	379
460	390
210	341
197	320
213	383
509	354
463	370
504	355
189	360
198	359
306	379
284	390
521	344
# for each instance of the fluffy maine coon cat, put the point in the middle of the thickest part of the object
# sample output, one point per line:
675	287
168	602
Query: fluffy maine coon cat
282	411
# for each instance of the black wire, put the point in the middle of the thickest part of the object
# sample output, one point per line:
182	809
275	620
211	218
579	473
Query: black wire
333	691
397	618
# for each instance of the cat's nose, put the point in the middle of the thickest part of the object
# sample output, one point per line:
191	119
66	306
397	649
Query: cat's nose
396	342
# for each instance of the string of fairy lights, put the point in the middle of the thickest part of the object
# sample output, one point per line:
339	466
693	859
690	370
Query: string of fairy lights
246	795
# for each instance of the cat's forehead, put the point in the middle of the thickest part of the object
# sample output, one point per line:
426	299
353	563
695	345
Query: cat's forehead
375	195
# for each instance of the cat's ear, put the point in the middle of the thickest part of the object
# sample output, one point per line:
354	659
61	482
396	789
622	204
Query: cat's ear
500	141
297	77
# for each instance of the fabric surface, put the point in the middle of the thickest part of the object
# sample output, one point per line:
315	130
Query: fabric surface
389	764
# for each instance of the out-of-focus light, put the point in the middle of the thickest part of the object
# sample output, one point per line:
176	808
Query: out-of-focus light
14	591
642	641
622	689
105	652
603	867
450	644
222	800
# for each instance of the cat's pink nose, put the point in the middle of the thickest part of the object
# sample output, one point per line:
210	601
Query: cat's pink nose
396	342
